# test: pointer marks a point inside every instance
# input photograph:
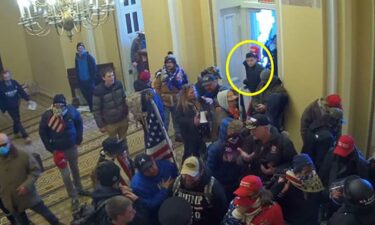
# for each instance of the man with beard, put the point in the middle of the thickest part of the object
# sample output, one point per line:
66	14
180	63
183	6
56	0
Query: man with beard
169	81
299	192
203	192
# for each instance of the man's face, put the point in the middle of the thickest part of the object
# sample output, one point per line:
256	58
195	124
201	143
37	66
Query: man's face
109	78
189	181
211	87
152	171
169	65
81	49
259	132
6	76
306	173
4	141
251	61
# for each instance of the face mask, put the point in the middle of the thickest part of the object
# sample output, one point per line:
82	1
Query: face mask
4	150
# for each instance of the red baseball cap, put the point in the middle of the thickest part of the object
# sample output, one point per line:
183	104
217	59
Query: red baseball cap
248	186
334	101
59	159
344	146
145	76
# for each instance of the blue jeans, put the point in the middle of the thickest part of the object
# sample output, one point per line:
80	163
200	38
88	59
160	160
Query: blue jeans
42	210
167	112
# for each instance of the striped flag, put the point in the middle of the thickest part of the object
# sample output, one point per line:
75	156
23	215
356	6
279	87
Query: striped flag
156	144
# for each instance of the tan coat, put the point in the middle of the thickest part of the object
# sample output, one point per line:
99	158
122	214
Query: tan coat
18	168
169	97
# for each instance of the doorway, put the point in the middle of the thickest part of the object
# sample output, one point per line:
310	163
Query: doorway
130	26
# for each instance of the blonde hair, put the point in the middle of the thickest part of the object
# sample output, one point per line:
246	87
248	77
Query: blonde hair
183	101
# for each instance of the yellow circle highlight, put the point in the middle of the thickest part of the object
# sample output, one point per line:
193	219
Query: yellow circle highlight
228	73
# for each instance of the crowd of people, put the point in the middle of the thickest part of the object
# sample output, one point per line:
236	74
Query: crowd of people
239	165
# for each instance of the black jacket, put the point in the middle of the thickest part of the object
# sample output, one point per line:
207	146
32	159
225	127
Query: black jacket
11	95
140	85
70	136
193	141
101	194
279	148
298	207
253	76
204	212
348	215
109	104
335	167
317	141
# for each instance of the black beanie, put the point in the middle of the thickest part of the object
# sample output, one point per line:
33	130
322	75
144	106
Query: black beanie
107	173
59	98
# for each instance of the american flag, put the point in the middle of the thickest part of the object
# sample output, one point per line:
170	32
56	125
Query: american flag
156	144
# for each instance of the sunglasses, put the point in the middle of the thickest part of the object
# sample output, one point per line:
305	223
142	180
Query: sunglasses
3	145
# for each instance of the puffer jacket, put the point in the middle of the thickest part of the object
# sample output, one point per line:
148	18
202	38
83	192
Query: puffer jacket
71	134
275	87
109	104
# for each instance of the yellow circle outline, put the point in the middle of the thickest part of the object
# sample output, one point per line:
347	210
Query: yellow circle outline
228	73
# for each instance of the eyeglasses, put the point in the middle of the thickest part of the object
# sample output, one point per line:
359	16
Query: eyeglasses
3	145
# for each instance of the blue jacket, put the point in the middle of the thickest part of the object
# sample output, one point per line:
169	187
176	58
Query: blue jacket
93	70
147	188
66	139
11	95
226	173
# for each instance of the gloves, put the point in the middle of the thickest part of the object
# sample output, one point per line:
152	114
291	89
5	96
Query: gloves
209	101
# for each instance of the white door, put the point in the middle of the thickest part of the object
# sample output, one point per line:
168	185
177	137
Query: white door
130	21
230	36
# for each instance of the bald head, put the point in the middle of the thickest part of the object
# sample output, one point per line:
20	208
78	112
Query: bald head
3	139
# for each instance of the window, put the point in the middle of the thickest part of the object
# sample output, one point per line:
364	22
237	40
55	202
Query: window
133	2
128	23
135	22
126	2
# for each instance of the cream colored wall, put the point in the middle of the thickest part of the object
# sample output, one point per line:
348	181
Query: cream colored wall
158	31
303	62
13	48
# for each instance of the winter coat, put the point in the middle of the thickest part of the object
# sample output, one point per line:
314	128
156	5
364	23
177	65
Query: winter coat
70	136
147	188
313	111
253	76
92	68
317	141
191	135
298	207
169	96
207	199
109	104
270	215
140	85
275	87
227	173
10	96
348	215
16	169
102	194
280	148
335	167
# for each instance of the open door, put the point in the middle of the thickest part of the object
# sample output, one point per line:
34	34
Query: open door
130	23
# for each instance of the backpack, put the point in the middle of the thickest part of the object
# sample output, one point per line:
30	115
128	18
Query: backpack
207	188
135	107
87	214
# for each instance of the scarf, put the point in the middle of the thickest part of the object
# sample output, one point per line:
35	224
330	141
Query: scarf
175	79
312	184
56	121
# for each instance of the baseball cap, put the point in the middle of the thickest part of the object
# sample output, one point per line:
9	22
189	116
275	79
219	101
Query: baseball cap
208	79
334	101
256	121
248	186
191	166
143	162
344	146
108	173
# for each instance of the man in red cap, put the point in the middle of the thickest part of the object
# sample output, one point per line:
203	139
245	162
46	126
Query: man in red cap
343	161
253	205
317	109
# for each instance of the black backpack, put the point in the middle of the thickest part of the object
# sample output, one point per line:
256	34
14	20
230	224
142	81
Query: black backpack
87	214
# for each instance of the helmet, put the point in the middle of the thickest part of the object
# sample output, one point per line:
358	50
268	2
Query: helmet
358	191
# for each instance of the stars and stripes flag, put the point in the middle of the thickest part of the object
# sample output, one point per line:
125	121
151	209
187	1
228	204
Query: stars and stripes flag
156	143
